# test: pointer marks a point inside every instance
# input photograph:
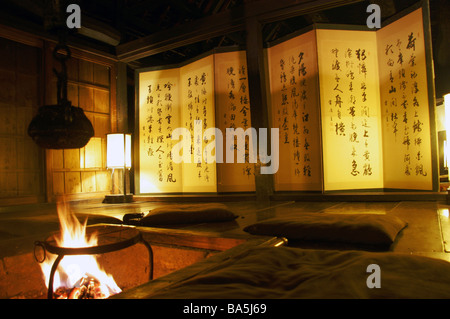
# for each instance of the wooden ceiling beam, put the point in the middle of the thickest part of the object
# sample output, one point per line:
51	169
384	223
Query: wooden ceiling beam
265	11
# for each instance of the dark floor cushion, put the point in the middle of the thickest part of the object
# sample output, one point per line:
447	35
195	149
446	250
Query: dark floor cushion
368	229
188	214
93	219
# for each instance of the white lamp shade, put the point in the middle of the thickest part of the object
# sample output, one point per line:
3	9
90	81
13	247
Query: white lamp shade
117	155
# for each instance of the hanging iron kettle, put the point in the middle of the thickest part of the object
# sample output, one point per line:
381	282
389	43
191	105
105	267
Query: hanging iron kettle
61	126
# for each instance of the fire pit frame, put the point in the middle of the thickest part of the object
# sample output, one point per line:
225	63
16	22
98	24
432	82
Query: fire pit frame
93	250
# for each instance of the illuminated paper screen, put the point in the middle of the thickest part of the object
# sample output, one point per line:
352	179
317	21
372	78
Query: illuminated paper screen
350	106
372	107
295	112
197	104
233	111
159	109
405	104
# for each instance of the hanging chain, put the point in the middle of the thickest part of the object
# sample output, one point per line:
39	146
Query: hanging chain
62	76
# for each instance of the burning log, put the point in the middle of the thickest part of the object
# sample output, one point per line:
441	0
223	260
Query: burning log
87	288
63	271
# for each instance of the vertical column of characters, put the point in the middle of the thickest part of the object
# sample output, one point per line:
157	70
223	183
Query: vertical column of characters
295	111
233	115
306	168
404	99
197	81
350	109
159	136
196	101
168	111
402	104
244	114
162	105
158	117
284	116
239	108
415	89
291	112
359	110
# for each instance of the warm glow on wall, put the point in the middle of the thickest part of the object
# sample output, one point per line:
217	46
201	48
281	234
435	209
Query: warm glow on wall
91	154
117	155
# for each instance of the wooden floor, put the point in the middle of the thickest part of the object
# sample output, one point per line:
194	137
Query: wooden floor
428	230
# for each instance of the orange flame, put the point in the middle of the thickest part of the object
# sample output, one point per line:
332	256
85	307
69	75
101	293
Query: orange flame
72	269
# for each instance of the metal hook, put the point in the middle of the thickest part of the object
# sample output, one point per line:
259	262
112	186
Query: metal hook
62	76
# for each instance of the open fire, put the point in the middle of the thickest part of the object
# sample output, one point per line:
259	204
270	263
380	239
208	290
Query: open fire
77	276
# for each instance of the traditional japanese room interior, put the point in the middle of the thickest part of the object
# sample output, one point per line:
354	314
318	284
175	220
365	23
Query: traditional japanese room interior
168	149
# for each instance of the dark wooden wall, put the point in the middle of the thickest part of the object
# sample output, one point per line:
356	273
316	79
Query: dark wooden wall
29	174
21	161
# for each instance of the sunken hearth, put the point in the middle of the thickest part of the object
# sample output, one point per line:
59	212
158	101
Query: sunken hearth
79	283
131	266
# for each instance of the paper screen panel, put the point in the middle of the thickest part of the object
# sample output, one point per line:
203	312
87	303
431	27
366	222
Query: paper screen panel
295	112
350	106
233	111
197	102
404	104
159	114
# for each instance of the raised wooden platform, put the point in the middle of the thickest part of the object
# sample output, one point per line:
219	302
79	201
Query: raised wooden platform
341	196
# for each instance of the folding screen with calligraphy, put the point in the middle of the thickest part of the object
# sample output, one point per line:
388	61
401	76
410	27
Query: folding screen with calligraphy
159	114
198	114
350	105
233	111
405	104
294	98
170	99
195	97
375	112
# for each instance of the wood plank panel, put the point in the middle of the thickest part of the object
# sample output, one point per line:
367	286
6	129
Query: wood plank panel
58	183
72	158
24	116
72	94
8	184
93	153
28	183
7	87
101	101
27	155
72	182
88	182
72	69
101	75
7	55
28	59
86	99
102	125
8	155
20	95
58	159
8	119
27	90
103	181
86	71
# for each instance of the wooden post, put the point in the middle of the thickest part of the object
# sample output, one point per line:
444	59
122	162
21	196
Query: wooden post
258	100
121	98
122	114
